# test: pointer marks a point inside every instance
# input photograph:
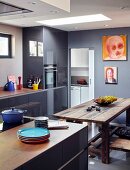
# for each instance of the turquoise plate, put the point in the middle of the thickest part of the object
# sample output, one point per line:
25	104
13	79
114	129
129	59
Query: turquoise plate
33	132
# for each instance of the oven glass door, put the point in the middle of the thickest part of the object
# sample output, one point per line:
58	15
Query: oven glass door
50	78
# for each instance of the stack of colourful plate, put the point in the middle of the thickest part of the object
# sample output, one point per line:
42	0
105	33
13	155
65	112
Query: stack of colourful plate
33	135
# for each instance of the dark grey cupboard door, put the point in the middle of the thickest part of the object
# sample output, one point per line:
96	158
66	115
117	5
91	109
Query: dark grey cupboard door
60	99
3	104
35	100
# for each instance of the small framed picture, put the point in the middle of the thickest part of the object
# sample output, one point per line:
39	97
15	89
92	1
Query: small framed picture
110	74
40	49
114	47
32	48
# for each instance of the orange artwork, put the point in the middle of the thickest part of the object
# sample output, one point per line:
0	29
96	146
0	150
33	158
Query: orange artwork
114	47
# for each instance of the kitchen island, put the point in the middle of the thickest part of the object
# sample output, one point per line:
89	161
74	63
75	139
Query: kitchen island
66	149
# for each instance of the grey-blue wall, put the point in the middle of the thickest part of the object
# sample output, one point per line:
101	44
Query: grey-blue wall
93	39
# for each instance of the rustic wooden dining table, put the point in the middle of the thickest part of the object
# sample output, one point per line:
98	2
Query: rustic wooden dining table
103	117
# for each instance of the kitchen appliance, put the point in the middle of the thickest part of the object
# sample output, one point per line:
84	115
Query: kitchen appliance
13	115
50	75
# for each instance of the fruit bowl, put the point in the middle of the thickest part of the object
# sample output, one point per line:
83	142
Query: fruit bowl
105	100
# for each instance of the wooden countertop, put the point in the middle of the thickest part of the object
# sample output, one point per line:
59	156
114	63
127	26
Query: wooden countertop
23	91
14	153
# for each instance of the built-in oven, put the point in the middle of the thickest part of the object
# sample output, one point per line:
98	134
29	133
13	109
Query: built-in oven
50	75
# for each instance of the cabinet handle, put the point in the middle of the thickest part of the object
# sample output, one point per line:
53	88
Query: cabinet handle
89	81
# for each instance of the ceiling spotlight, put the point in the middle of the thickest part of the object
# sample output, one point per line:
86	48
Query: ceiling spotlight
75	28
54	11
33	3
106	25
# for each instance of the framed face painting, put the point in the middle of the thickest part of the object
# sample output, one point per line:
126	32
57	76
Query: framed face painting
114	47
110	75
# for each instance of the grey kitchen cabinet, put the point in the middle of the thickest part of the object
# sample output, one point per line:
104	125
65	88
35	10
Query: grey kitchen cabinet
32	65
35	103
18	100
50	160
44	103
60	99
55	51
3	104
62	76
73	145
55	46
79	163
62	57
56	100
39	103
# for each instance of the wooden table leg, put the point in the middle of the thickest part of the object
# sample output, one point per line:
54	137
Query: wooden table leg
105	143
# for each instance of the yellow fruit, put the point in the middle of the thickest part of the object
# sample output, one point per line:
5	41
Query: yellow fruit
106	99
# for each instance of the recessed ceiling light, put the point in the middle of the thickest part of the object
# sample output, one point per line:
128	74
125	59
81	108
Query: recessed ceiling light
33	3
75	20
106	25
54	11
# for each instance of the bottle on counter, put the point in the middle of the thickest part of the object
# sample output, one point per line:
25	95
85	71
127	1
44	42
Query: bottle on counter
19	83
40	86
29	82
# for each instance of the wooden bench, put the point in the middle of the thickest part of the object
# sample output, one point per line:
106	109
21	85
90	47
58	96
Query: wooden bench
120	144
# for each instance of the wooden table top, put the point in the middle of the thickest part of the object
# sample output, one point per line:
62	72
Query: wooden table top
106	114
14	153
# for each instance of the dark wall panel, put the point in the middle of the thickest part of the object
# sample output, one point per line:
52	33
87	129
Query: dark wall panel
31	65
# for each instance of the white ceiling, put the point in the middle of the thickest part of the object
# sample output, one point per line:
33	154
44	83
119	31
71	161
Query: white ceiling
117	10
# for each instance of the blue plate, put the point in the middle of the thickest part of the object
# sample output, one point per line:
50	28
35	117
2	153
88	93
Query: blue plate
33	132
